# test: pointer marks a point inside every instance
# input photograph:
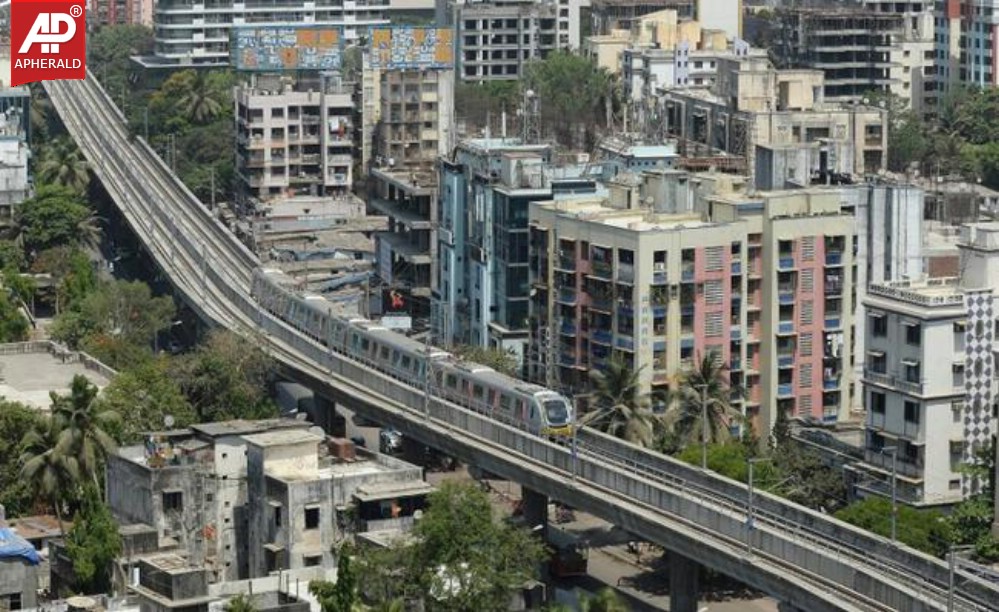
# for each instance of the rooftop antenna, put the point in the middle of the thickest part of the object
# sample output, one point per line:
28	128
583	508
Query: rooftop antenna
531	118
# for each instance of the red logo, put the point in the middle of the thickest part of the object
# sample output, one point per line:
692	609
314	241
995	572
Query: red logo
48	40
397	301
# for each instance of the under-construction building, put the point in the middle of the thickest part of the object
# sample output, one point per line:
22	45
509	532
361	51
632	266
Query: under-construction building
857	49
607	15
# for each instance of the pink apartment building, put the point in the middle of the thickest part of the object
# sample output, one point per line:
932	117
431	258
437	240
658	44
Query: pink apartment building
765	282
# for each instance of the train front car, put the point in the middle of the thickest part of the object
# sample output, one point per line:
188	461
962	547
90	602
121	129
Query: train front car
556	410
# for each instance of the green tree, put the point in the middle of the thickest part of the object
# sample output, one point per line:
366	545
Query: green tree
240	603
73	272
497	359
53	217
477	103
606	600
342	595
925	530
622	408
13	326
573	91
227	377
85	425
93	544
42	114
16	420
704	388
12	256
971	520
63	164
460	557
45	465
147	394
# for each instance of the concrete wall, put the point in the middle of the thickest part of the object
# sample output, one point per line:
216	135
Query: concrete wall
19	577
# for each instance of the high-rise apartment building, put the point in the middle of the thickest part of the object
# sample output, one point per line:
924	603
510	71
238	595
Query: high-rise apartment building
482	254
877	45
763	282
495	40
607	15
929	377
194	32
118	12
295	137
967	34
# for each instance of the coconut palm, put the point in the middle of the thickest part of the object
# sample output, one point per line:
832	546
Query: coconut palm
64	164
41	112
704	388
46	466
85	424
199	104
89	230
622	408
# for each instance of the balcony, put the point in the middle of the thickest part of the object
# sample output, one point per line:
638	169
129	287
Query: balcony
687	273
785	360
785	262
786	297
567	359
735	333
601	303
568	329
785	327
566	263
834	288
736	268
834	258
833	322
600	269
785	390
626	343
659	276
625	273
625	308
601	336
913	469
567	296
880	378
830	384
735	364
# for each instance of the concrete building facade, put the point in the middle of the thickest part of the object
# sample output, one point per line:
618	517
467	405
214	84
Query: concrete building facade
967	34
762	282
295	138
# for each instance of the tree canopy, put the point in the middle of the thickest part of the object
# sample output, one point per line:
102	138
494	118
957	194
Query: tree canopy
147	393
575	94
53	217
460	557
93	544
925	530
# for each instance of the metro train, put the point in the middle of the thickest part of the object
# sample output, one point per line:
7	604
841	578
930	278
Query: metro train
474	386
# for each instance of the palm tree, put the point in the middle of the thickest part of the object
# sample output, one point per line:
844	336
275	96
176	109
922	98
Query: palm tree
40	113
704	388
89	230
46	465
84	426
64	164
623	410
199	103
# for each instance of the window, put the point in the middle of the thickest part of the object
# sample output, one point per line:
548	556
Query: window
312	518
277	516
954	485
911	371
312	560
173	500
876	362
11	601
913	333
877	402
879	324
912	412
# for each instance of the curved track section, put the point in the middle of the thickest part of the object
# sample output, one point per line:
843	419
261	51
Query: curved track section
803	557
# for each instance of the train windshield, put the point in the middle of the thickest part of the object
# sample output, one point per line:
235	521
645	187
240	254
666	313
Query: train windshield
556	411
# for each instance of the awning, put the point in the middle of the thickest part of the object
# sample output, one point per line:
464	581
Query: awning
910	362
876	353
392	490
910	323
876	315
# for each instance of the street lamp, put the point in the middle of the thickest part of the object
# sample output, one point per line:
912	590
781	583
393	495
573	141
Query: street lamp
750	509
952	561
893	451
703	388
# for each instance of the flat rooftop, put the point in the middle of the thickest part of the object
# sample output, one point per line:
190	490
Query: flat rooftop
285	437
243	428
37	527
932	293
29	371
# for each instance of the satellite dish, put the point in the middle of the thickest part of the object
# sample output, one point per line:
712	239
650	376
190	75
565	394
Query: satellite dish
417	515
168	421
318	431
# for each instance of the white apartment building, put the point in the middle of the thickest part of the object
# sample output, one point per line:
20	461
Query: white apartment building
294	138
929	382
197	32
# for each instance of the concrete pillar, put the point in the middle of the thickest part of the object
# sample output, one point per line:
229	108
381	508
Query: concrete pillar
683	583
413	451
323	414
535	510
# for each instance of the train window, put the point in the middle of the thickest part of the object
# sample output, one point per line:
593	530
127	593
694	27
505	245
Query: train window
355	340
478	392
451	381
464	386
492	397
532	411
505	403
365	345
405	362
385	353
